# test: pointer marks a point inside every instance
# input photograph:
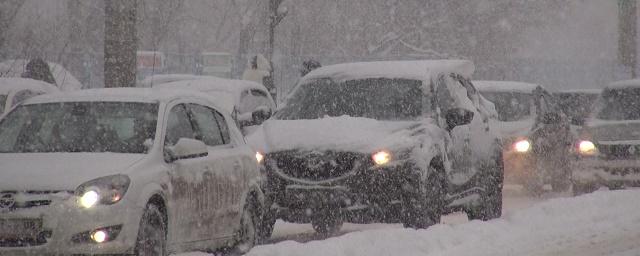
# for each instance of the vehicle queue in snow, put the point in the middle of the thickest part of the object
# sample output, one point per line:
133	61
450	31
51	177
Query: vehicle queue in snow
205	163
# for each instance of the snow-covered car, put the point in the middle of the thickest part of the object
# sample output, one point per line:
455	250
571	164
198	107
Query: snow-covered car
65	81
125	171
249	102
396	141
577	104
536	134
13	91
608	152
152	80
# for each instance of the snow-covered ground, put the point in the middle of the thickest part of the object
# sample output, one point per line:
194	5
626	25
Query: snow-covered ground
602	223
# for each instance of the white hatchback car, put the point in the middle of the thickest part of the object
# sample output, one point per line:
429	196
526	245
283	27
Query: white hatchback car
125	171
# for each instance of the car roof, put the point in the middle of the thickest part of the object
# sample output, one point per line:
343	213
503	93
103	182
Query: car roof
11	84
633	83
416	69
580	91
149	95
153	80
505	86
210	83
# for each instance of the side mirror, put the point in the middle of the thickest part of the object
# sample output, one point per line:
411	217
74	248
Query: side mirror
260	115
185	149
458	116
551	118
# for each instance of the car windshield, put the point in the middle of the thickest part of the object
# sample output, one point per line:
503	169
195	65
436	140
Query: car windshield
376	98
619	104
119	127
577	105
3	101
511	106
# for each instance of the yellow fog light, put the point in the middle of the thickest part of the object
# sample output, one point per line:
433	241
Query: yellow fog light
99	236
587	148
89	199
259	157
381	157
522	146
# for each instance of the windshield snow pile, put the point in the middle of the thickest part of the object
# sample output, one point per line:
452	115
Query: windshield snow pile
583	225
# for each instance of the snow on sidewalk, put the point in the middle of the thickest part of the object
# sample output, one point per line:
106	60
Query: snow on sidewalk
601	223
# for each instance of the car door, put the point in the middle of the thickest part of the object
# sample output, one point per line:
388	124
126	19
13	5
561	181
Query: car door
191	185
226	174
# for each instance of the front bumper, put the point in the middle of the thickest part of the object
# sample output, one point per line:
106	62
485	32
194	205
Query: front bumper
63	219
610	173
364	195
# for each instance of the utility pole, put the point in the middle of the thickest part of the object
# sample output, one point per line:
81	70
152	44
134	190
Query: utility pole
276	14
627	34
120	43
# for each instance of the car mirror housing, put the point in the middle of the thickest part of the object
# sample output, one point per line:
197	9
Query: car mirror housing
457	117
185	149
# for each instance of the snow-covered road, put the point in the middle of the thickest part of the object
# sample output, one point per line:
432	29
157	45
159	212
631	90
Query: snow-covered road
602	223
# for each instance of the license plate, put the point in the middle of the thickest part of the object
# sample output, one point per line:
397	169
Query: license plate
14	228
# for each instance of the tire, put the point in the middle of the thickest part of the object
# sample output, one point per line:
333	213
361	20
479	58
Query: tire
152	233
327	223
248	236
560	185
490	205
423	208
581	189
267	223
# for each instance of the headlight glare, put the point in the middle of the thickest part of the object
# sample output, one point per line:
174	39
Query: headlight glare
381	158
259	157
522	146
587	148
106	190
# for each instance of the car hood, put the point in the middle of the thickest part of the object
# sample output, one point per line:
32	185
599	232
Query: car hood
59	171
604	130
344	133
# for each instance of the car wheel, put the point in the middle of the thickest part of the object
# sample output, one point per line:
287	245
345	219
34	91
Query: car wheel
152	235
490	205
560	185
248	235
423	208
267	223
327	222
581	189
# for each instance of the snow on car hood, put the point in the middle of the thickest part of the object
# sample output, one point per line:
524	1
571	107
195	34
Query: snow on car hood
508	130
343	133
59	171
603	130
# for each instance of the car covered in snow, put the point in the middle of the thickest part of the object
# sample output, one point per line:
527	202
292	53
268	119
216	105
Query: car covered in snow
395	141
249	102
125	171
608	151
577	104
64	80
13	91
536	134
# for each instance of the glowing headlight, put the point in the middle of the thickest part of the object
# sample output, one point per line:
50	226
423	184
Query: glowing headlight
89	199
106	190
522	146
381	157
99	236
259	157
587	148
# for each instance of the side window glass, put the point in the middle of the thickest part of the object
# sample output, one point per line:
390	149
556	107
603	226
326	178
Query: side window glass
444	99
224	129
208	128
178	126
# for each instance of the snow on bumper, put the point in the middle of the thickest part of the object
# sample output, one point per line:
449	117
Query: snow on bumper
64	221
606	172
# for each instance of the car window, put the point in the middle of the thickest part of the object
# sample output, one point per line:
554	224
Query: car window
208	127
22	96
443	96
224	129
178	126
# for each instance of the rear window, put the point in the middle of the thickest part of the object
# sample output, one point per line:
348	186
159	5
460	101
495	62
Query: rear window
511	106
619	104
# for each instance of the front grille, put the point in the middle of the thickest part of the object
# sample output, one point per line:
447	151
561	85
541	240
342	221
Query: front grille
13	200
314	165
619	152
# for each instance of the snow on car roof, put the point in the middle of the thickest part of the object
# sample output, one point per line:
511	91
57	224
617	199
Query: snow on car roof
64	79
582	91
210	83
167	78
633	83
10	84
419	69
116	94
504	86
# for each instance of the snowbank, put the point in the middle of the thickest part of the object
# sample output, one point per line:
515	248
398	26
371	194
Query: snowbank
602	223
